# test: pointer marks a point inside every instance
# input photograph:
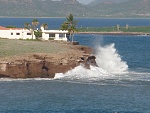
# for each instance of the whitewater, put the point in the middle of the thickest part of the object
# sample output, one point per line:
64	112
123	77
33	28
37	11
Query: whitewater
111	69
109	63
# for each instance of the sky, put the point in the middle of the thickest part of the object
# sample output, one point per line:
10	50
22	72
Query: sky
88	1
85	1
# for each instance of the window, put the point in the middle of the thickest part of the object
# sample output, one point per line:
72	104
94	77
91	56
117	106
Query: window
61	35
28	33
11	33
17	33
51	35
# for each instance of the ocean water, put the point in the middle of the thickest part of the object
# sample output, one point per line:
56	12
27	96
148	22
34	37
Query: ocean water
55	23
121	83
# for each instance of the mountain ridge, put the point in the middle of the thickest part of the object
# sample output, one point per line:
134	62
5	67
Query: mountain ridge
61	8
130	8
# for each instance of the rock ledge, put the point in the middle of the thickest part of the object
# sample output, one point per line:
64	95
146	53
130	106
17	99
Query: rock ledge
42	64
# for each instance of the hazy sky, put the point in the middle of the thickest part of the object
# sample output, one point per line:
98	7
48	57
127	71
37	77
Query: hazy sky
88	1
85	1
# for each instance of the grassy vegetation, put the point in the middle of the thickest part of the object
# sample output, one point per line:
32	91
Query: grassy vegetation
98	29
137	29
144	29
21	47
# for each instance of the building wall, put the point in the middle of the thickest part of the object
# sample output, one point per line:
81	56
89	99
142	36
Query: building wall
45	36
59	34
16	34
24	34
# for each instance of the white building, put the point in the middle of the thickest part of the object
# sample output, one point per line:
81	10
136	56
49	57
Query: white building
54	34
20	33
15	33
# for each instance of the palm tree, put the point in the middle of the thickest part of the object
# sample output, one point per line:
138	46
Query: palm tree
70	26
64	26
27	25
72	23
72	30
35	23
45	26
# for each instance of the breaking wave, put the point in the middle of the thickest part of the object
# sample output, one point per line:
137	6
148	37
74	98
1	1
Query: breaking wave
109	62
108	58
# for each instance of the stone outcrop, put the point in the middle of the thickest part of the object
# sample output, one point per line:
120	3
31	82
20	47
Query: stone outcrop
44	65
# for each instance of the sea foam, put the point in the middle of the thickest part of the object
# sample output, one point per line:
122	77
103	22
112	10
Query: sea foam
108	60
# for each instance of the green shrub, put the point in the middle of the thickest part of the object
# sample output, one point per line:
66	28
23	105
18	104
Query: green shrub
10	27
38	34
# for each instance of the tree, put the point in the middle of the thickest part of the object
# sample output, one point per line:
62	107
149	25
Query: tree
27	25
45	26
35	23
38	34
70	25
32	27
64	26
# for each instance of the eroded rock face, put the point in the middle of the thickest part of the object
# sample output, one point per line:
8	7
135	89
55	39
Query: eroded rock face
45	66
29	69
43	69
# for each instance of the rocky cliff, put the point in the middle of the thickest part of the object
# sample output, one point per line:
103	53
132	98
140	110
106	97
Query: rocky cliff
45	65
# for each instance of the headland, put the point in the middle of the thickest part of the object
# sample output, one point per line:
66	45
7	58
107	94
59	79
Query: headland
32	59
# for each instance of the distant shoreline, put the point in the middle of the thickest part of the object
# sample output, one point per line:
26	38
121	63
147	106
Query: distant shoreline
29	17
78	17
116	33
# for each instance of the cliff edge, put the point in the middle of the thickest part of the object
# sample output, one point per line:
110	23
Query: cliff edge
41	63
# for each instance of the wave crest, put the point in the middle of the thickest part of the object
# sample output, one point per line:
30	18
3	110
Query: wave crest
109	62
108	58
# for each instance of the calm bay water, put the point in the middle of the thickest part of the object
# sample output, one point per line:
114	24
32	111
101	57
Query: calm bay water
121	84
55	23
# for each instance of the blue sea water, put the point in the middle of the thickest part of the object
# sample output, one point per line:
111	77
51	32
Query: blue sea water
55	23
121	83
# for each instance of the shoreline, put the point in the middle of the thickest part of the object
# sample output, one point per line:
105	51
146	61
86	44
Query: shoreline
76	17
116	33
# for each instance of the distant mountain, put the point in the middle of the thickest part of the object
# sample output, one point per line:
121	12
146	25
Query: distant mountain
43	8
61	8
129	8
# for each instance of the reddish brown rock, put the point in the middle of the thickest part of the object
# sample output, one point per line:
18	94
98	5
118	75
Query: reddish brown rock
43	65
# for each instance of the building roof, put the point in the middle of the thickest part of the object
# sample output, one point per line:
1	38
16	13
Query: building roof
55	31
4	28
